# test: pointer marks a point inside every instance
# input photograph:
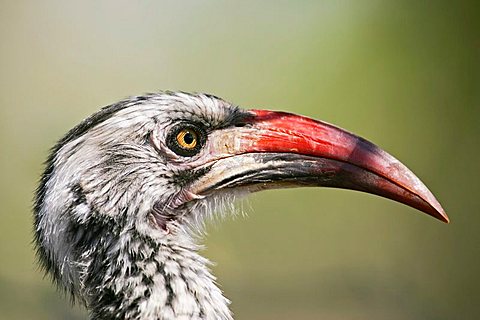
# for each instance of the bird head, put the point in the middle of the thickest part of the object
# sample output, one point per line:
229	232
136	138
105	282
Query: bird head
147	170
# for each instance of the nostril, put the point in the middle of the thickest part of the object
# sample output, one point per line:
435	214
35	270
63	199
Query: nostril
241	124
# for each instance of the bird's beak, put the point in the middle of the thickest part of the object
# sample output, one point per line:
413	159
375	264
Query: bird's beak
275	149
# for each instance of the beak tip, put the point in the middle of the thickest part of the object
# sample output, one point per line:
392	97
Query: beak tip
433	207
445	218
441	215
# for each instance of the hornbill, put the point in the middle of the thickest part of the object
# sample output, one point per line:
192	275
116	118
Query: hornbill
124	194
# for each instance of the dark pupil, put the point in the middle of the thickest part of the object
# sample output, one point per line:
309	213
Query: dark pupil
189	138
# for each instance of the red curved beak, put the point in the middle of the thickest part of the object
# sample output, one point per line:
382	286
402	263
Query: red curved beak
277	149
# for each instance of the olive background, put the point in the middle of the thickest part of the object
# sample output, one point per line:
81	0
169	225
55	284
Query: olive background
404	74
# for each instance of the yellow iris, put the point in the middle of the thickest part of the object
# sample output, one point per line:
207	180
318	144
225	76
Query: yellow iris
187	139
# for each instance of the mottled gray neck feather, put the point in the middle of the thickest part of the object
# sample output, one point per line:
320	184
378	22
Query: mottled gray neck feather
146	280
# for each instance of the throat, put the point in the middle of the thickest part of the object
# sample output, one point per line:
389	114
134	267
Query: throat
155	281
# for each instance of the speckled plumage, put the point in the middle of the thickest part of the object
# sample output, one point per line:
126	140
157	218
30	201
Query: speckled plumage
106	185
126	192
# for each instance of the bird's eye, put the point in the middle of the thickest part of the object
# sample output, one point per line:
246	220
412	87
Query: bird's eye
186	139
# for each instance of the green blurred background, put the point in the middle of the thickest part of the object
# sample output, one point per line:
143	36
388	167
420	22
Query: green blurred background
404	74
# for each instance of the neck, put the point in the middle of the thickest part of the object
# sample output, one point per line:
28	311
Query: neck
149	280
